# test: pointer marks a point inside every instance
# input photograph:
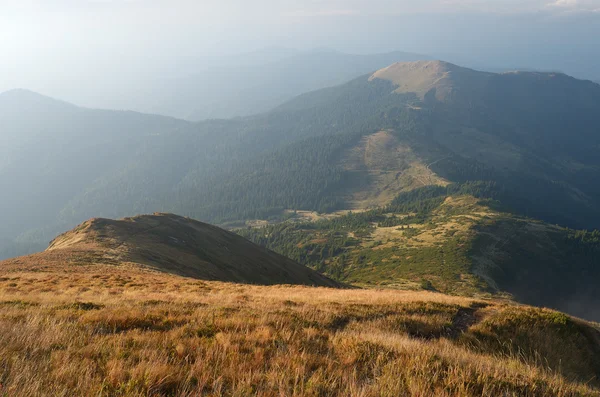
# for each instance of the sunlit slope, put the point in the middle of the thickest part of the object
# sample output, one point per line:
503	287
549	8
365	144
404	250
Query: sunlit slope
441	238
434	80
379	167
125	330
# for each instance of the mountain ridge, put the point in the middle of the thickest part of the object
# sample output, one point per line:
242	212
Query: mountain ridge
176	245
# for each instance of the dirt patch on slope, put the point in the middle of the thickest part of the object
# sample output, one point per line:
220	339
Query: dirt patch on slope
380	167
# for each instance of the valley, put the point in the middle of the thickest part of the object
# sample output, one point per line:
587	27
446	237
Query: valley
448	242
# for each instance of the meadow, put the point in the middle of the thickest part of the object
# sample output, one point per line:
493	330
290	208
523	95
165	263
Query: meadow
105	330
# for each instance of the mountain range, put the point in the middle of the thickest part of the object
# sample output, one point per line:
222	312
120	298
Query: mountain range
395	143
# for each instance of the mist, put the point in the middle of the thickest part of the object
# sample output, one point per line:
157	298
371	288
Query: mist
120	54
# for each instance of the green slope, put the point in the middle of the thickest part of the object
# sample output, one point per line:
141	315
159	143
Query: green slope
444	239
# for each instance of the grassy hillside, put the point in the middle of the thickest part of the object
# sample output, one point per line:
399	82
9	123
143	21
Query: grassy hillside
445	239
171	244
434	80
119	330
378	168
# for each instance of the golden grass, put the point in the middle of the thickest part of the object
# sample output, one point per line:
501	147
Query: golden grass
432	77
122	331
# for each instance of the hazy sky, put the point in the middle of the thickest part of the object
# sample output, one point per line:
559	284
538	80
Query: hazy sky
66	46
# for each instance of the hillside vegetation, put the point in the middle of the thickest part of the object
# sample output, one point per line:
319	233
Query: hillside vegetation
109	330
446	239
379	168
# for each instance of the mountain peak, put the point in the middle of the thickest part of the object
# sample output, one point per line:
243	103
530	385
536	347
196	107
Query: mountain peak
24	97
22	93
438	78
19	92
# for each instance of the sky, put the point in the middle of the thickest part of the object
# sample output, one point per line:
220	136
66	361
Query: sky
67	47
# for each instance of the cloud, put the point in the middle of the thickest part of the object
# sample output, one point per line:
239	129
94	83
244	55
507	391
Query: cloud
321	13
333	8
575	5
315	8
564	3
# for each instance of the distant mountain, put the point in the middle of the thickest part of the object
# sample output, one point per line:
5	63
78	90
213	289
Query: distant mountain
530	137
241	88
172	244
533	133
51	150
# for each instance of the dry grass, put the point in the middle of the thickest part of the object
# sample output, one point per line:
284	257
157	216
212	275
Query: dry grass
122	331
433	77
443	225
172	244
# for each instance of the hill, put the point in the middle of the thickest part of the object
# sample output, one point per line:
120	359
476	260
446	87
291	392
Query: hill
118	330
50	151
171	244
